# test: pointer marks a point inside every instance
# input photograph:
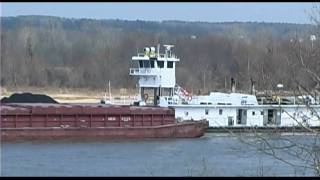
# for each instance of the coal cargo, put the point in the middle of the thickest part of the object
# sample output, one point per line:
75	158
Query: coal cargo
28	98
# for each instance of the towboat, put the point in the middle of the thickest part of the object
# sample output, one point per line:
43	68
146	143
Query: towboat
156	72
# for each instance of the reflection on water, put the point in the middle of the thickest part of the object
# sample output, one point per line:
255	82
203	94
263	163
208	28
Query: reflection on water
210	155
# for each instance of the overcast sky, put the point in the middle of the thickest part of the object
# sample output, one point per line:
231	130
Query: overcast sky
210	12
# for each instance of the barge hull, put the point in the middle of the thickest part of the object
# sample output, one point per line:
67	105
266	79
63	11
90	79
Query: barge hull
83	121
246	129
179	130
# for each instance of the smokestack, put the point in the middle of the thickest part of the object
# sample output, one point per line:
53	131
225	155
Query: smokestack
233	85
253	91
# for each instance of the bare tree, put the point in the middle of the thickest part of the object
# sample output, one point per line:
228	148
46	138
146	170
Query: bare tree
304	69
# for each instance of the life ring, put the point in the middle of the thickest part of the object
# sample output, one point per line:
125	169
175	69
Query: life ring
145	97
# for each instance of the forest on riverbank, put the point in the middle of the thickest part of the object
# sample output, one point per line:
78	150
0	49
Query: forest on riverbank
45	51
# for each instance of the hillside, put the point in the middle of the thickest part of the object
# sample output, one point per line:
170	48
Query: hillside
45	51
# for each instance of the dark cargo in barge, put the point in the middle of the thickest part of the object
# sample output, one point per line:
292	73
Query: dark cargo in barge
21	121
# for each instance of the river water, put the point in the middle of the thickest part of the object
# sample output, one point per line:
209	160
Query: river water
211	155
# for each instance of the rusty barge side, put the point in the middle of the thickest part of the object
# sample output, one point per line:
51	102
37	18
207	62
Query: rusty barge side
92	121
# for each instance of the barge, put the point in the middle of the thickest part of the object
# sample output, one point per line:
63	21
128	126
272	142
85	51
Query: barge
34	121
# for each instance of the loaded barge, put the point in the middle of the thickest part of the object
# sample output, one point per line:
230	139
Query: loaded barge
21	120
34	121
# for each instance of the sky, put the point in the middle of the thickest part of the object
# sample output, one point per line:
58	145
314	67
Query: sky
294	12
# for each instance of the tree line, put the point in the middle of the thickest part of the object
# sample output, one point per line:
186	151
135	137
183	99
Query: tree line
44	51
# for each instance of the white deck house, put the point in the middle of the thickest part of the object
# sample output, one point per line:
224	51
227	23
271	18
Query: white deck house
234	109
260	115
157	71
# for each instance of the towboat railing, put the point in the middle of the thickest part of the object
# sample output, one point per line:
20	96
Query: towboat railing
142	71
156	55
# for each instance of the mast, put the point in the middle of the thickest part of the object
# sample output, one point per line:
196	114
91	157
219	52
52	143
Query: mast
109	91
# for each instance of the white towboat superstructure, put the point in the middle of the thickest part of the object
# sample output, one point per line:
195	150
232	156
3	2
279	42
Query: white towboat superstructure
157	72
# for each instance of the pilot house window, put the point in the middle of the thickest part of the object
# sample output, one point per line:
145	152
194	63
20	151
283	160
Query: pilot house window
146	64
160	64
152	63
170	64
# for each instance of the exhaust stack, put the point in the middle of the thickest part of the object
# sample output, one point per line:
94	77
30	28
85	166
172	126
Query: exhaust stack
253	91
233	85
